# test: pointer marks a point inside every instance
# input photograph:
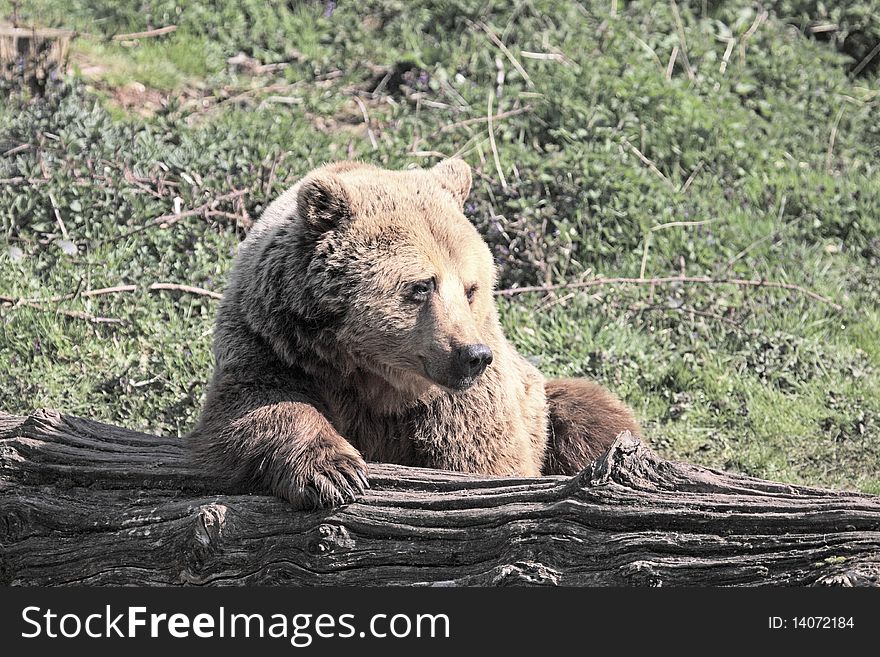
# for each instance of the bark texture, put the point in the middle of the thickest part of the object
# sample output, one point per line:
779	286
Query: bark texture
85	503
32	55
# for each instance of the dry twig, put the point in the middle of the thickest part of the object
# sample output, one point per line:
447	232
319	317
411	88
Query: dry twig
759	19
728	51
673	224
691	178
167	220
74	314
363	109
703	280
647	162
503	48
43	304
159	31
829	154
188	289
671	65
682	42
492	141
478	119
867	60
16	149
58	215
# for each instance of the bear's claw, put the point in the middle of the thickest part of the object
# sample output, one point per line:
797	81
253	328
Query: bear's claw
329	481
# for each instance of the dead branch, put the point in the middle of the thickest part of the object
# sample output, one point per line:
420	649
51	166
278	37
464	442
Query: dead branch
188	289
167	220
74	314
159	31
43	304
667	280
494	38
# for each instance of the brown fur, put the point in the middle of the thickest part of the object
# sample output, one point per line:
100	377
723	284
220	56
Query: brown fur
329	352
584	421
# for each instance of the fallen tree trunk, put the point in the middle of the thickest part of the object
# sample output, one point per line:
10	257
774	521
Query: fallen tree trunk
87	503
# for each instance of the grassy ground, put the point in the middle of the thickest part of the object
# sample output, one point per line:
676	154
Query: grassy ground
755	153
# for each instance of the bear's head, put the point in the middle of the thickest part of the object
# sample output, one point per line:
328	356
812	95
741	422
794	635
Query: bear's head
409	279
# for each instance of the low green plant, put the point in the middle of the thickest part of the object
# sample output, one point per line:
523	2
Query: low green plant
752	154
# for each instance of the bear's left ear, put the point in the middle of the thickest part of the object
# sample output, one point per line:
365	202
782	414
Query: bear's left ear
454	175
323	203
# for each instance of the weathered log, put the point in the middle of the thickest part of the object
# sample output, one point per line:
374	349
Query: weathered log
87	503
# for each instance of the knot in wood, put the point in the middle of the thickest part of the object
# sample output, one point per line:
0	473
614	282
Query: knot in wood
210	524
12	526
43	417
9	456
526	573
627	462
641	573
865	574
330	538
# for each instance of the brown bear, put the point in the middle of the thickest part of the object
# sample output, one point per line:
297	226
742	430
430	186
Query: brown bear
359	324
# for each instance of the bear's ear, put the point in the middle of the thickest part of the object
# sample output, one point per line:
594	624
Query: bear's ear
323	203
454	175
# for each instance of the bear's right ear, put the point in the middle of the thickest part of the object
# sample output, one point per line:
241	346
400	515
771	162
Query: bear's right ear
454	175
323	203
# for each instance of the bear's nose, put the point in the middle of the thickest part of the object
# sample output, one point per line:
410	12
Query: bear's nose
472	359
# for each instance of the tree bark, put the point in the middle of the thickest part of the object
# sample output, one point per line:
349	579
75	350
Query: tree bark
32	55
88	503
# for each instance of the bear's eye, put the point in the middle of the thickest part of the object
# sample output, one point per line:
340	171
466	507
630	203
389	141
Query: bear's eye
420	291
471	292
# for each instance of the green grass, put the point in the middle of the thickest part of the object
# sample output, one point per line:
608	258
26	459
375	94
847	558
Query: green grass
773	163
166	67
